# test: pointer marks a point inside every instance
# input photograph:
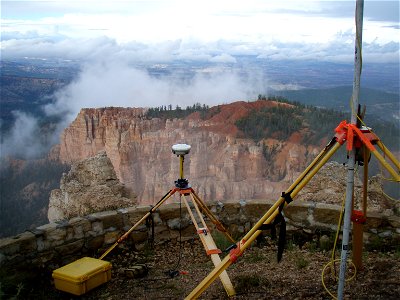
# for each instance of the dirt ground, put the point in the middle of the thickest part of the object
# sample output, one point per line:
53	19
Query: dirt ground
256	275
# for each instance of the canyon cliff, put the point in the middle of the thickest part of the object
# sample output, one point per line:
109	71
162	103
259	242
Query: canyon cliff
134	149
220	166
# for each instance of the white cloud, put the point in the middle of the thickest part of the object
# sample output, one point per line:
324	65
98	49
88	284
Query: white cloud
110	36
24	138
113	83
164	30
223	58
221	51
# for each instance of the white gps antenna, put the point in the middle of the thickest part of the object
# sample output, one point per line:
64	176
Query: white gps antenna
181	150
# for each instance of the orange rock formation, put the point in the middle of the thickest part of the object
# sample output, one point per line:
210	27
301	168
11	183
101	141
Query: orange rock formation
221	166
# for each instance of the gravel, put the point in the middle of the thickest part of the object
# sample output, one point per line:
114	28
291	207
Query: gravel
173	270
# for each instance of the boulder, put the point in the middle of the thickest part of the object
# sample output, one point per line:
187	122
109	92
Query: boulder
90	186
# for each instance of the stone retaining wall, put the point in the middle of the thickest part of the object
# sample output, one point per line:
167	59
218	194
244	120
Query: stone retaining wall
61	242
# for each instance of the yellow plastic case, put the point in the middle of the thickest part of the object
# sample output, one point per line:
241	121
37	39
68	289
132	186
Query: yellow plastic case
82	275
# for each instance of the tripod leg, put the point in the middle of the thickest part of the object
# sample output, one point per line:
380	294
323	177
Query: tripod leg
126	234
365	181
198	211
388	154
269	216
210	246
191	214
388	167
212	217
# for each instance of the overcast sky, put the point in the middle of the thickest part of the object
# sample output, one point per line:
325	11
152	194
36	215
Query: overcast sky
108	37
199	30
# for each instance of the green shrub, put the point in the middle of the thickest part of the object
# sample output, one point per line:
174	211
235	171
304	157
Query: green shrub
301	262
244	283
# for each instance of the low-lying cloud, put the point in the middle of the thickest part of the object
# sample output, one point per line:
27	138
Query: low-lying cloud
116	83
25	139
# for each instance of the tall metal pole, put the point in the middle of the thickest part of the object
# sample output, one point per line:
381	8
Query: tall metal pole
351	161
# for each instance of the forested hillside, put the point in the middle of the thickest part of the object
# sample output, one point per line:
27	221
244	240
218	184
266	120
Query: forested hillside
315	125
168	112
28	95
24	193
381	106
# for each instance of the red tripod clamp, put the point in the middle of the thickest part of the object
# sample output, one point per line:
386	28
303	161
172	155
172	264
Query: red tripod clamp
358	217
234	254
354	136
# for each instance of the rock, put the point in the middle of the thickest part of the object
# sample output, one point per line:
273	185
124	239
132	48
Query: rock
137	271
111	237
220	166
329	185
325	243
385	234
90	186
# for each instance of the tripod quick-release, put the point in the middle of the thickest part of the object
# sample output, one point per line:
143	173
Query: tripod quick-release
236	252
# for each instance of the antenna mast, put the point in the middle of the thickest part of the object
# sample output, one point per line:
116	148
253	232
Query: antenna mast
351	161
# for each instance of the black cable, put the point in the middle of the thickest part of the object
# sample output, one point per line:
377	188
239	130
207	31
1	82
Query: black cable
150	226
174	271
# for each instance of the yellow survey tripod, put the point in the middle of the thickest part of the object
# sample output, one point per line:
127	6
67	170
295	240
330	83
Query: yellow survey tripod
345	132
196	211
